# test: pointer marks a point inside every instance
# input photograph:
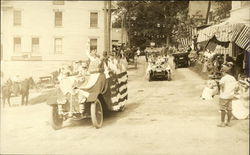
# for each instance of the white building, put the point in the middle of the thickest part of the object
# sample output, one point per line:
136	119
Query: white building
241	11
234	30
38	36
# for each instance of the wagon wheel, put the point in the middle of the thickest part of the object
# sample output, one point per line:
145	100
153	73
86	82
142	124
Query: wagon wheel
56	120
96	113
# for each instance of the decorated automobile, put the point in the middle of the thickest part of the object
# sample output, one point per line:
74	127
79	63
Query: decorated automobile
158	66
181	59
97	96
89	90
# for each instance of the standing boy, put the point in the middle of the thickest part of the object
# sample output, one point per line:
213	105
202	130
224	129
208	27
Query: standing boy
227	88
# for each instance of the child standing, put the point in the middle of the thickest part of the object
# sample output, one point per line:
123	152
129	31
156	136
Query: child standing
227	87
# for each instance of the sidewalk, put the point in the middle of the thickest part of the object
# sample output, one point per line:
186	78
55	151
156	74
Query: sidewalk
197	68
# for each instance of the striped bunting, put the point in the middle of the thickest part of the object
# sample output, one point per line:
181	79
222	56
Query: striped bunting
118	88
244	38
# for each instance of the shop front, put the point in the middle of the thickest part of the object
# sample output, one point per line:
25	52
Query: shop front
230	39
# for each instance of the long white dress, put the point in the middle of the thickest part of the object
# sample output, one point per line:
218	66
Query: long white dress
240	106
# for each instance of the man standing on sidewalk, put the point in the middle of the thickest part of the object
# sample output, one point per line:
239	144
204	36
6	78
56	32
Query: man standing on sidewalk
227	88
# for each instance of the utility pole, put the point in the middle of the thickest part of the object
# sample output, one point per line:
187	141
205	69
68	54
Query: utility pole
105	27
122	25
129	29
208	10
109	27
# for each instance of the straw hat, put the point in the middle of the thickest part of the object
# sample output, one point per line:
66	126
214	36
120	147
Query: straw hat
225	68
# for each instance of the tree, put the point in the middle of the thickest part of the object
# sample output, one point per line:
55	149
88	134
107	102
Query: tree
148	21
222	10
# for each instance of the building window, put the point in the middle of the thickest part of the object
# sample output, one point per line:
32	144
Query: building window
93	44
58	2
35	45
93	19
58	18
17	44
17	18
58	45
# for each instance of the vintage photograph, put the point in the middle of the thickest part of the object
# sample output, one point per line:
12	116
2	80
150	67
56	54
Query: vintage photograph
125	77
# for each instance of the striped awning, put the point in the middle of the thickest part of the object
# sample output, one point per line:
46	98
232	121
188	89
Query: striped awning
243	39
223	32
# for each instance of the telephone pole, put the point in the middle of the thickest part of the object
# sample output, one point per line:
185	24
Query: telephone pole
109	28
105	27
208	10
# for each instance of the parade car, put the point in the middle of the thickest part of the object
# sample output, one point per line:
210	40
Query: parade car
181	59
97	96
158	67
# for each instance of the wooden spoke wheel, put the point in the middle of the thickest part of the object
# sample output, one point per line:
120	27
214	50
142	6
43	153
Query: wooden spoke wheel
56	120
96	114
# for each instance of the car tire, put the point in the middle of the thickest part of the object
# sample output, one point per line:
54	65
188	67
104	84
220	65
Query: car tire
150	77
56	120
96	114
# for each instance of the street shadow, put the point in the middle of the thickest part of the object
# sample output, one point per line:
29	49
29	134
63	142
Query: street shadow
42	97
158	79
177	76
109	118
113	117
76	123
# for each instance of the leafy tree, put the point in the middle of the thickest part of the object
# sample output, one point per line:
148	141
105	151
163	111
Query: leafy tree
148	21
222	10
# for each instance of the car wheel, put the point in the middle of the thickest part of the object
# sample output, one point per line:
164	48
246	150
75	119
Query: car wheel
169	78
56	120
96	114
150	77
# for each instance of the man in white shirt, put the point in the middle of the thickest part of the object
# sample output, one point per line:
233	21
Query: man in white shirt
228	86
138	52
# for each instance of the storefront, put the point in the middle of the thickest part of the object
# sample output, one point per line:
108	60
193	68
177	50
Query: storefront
228	38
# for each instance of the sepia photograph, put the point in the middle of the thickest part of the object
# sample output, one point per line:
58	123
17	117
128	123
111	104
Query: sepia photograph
166	77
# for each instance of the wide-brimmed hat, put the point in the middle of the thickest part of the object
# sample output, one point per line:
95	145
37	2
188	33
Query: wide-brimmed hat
230	64
225	68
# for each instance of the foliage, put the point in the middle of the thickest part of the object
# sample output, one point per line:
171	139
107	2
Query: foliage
222	10
152	21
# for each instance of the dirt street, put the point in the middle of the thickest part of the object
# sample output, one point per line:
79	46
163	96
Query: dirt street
161	117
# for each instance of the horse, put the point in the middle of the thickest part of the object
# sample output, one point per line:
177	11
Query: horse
6	92
25	86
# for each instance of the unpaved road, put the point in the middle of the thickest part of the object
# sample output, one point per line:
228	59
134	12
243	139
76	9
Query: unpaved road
162	117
